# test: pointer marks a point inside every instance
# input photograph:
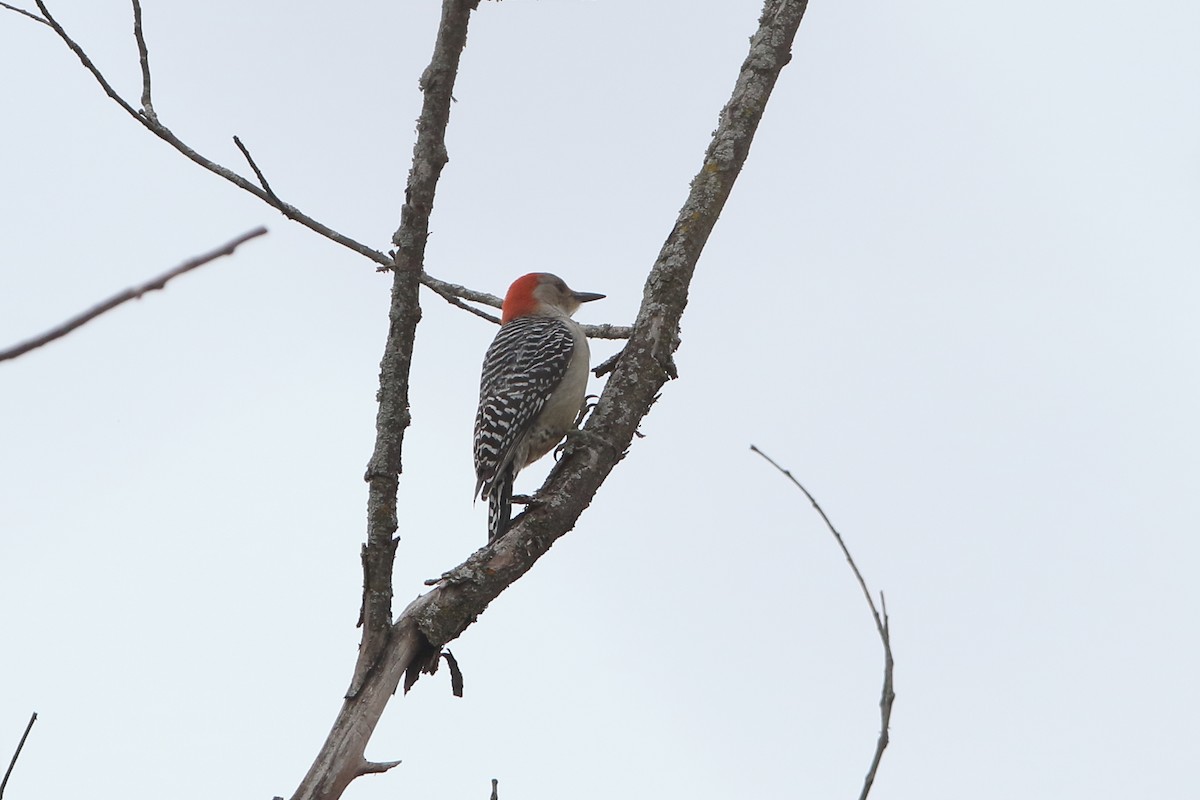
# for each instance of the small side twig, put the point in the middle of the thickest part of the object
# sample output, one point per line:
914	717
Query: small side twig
608	365
495	789
154	125
888	695
262	179
129	294
454	294
25	13
144	60
20	745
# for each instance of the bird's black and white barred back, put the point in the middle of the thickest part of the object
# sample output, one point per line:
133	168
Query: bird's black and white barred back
524	365
534	379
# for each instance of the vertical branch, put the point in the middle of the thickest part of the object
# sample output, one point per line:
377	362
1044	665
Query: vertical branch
383	470
341	758
144	61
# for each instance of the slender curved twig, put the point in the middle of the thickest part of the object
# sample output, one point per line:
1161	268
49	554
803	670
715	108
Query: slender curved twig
880	615
133	293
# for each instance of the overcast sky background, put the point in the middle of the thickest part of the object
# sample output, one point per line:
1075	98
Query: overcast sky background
955	290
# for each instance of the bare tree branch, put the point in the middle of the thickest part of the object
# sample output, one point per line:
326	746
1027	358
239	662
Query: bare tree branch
150	122
411	643
454	290
262	179
129	294
463	593
25	13
888	695
144	61
20	746
148	119
454	294
375	679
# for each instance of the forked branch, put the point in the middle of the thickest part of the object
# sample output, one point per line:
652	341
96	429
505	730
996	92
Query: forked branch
463	593
148	118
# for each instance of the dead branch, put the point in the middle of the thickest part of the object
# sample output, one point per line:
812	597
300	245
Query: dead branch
258	173
454	294
376	677
25	13
463	593
20	746
880	615
148	119
412	642
143	61
129	294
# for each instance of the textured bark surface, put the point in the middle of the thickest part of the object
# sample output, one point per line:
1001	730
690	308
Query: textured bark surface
645	364
387	650
409	645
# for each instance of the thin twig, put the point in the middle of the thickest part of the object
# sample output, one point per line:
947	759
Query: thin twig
607	331
25	13
20	745
148	119
144	60
452	292
446	289
888	695
262	179
129	294
163	132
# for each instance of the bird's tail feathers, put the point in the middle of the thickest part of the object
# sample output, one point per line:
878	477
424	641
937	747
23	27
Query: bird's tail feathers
500	505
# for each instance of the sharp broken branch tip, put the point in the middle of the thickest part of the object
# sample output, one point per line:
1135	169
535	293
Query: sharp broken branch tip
377	767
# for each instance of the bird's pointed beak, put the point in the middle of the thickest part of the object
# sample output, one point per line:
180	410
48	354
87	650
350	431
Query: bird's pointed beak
587	297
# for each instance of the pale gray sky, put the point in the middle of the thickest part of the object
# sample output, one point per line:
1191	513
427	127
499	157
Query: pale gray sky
955	291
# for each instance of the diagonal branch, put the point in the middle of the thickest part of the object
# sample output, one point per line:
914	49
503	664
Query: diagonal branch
454	294
887	695
133	293
463	593
17	753
258	173
25	13
149	120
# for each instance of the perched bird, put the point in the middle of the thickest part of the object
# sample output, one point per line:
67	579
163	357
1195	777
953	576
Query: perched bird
532	390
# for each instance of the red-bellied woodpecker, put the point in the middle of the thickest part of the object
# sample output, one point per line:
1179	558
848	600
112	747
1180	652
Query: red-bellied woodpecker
532	389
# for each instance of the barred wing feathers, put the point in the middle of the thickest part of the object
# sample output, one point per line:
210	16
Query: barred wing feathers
524	365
